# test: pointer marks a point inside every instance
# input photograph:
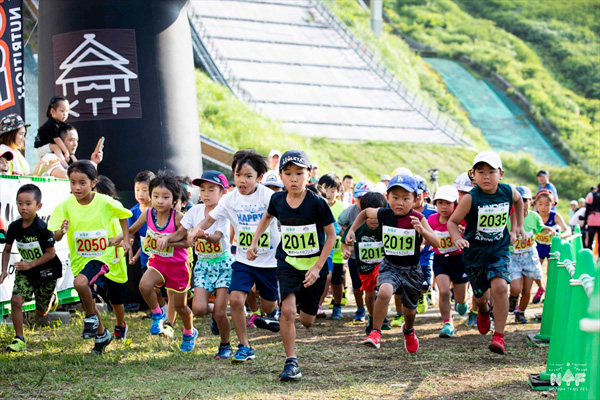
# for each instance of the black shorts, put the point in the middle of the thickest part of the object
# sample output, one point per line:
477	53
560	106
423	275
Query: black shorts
354	275
480	277
109	290
451	265
337	275
290	281
405	280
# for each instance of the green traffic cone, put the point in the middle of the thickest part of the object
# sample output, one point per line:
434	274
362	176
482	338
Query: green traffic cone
577	240
574	372
591	325
550	299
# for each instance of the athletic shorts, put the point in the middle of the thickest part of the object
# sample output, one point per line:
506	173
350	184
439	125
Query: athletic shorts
480	277
369	280
354	276
525	264
427	270
110	290
176	276
291	281
337	275
28	288
451	265
243	277
213	274
405	280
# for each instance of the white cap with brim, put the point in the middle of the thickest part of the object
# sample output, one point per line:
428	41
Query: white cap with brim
446	192
489	157
275	152
271	178
6	152
463	183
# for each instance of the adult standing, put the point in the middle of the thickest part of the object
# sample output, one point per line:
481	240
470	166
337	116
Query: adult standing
544	179
274	156
592	216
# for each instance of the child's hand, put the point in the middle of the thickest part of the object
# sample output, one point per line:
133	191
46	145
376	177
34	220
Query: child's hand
548	231
350	238
461	229
132	258
252	252
3	276
162	243
513	237
311	276
23	266
416	223
461	243
115	241
64	227
347	252
126	245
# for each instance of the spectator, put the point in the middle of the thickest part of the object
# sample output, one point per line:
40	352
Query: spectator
545	184
592	216
314	174
348	186
274	156
70	137
573	208
381	186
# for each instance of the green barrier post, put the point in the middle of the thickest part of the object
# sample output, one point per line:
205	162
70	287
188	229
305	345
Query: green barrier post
591	325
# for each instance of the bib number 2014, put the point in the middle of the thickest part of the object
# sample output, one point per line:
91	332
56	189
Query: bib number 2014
299	240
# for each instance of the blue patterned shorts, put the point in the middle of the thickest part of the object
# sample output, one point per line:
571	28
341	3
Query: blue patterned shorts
213	274
525	264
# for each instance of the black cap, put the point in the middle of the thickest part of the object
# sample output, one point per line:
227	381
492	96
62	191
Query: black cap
542	172
298	157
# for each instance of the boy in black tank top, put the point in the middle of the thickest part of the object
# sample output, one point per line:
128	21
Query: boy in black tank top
486	209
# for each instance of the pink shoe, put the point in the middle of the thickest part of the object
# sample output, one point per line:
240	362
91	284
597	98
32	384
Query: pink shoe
251	320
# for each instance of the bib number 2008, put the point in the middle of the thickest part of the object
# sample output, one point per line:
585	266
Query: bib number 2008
29	251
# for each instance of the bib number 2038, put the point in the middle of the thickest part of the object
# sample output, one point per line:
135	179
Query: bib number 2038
246	234
91	244
398	242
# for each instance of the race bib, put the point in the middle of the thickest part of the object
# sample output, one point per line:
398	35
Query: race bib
543	239
150	247
522	246
29	251
371	252
398	242
91	244
299	240
338	244
492	218
245	236
446	245
207	250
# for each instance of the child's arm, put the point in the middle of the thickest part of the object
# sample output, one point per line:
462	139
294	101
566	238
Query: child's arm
566	229
126	244
517	229
198	231
133	258
360	219
62	147
457	216
58	235
347	250
312	274
142	219
264	223
215	237
48	255
175	237
5	259
424	229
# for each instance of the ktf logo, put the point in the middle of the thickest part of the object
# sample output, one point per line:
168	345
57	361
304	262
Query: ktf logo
96	70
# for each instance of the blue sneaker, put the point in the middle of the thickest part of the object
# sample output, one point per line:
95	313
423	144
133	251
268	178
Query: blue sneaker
242	354
447	331
188	342
359	315
291	372
158	321
224	352
336	313
461	308
472	318
90	327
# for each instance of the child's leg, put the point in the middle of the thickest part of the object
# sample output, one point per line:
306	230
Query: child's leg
516	287
381	304
370	301
460	292
200	305
147	283
252	299
16	302
398	303
337	282
58	152
356	284
220	314
287	326
171	313
526	293
119	310
82	286
409	317
159	297
180	302
443	284
500	299
326	290
237	300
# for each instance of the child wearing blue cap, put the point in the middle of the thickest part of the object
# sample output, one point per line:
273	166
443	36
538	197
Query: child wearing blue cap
404	230
306	220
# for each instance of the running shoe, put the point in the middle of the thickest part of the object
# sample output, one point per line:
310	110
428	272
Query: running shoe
321	314
422	304
360	315
369	327
472	321
461	308
411	341
538	296
484	321
373	339
17	345
158	321
242	354
336	313
386	326
398	320
512	303
269	323
345	297
214	328
100	343
224	352
188	342
291	372
447	331
121	331
497	345
520	318
431	297
90	327
168	330
251	320
53	302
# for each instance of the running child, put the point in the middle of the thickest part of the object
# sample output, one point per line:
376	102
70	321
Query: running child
48	139
302	253
244	209
403	229
544	203
448	266
86	218
39	268
524	265
368	248
168	265
485	245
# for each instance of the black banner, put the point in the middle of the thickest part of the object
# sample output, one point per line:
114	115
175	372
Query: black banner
12	83
96	70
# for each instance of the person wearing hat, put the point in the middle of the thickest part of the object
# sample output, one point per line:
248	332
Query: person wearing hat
6	156
544	179
272	180
487	239
13	131
273	159
314	174
404	230
381	186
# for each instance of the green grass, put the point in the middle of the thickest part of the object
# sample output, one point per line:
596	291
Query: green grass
453	32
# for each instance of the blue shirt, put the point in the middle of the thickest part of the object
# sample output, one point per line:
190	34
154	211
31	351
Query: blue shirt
141	234
427	253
